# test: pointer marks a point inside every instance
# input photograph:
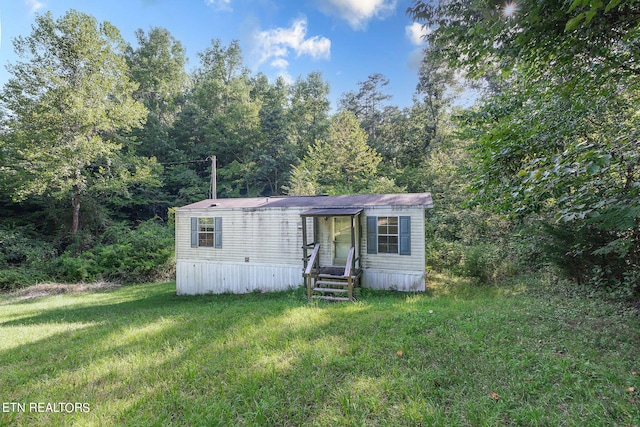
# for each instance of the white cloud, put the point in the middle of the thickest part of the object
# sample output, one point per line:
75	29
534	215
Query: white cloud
224	5
280	63
416	32
358	12
34	5
278	43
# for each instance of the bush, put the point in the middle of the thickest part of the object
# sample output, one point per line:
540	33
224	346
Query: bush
70	268
20	246
18	277
124	254
604	261
487	263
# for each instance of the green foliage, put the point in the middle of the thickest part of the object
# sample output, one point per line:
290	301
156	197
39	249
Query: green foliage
341	164
125	255
12	278
22	256
309	112
556	134
594	258
66	100
368	104
19	246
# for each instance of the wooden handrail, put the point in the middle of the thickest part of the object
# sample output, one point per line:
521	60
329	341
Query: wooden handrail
312	259
347	267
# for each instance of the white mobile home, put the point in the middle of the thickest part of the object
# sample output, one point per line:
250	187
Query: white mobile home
328	242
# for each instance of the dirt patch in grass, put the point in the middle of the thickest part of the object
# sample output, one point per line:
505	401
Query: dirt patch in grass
44	289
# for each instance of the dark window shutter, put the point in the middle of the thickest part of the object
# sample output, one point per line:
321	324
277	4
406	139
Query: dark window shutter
372	235
194	232
405	235
218	233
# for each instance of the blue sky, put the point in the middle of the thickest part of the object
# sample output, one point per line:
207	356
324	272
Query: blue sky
346	40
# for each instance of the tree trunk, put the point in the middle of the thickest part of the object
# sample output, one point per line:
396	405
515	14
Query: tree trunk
75	223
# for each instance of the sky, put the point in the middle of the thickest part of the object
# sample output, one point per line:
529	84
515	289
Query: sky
346	40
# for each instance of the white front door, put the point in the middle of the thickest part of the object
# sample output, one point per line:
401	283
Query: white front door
341	239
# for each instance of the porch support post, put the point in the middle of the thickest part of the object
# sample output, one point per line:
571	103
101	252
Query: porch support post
358	248
353	232
353	240
315	230
304	242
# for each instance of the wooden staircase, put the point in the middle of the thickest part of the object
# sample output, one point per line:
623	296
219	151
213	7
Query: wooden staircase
331	287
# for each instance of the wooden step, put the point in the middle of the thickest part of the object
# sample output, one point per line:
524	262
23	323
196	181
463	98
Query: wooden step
331	276
331	290
330	283
328	298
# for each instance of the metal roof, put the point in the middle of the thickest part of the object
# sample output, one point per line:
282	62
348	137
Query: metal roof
310	202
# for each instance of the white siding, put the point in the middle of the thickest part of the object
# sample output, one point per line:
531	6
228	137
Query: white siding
411	264
272	236
204	277
262	250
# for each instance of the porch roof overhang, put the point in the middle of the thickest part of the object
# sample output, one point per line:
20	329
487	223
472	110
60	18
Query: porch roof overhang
332	212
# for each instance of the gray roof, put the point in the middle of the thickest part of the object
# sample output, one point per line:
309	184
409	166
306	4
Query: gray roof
326	202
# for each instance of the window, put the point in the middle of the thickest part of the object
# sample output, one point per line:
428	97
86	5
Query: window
206	232
388	234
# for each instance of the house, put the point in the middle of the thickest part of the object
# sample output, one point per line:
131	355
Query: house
331	243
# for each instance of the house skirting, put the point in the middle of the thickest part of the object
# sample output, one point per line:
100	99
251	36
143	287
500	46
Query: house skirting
407	281
206	277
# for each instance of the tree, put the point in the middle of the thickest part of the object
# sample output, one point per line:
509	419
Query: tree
341	164
157	65
63	106
558	136
221	118
309	111
274	152
367	103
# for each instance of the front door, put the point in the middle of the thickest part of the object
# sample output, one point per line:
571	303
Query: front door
341	239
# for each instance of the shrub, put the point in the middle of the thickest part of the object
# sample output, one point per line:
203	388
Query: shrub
604	261
70	268
19	246
124	254
18	277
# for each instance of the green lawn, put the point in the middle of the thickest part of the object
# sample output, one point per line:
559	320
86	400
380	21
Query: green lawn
517	354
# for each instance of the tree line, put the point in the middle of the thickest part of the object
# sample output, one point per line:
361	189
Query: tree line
99	135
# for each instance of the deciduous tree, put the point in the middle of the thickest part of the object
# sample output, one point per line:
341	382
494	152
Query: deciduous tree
65	101
559	134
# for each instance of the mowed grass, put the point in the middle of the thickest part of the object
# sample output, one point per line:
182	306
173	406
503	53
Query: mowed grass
515	354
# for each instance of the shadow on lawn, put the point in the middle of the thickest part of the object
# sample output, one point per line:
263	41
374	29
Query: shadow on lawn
147	352
144	356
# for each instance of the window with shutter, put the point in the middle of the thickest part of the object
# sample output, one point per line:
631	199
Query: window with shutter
206	232
389	235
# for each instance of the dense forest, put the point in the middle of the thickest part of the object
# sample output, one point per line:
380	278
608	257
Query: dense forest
100	140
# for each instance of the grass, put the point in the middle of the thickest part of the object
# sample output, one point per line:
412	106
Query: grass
515	354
